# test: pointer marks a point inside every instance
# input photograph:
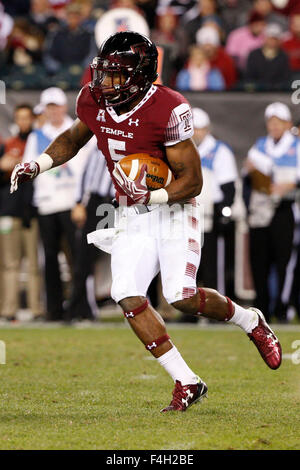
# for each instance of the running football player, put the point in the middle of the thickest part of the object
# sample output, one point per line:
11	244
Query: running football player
129	114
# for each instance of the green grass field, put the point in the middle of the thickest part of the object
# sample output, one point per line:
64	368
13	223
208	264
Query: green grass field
67	388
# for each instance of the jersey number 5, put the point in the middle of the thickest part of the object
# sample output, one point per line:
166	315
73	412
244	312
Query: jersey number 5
114	145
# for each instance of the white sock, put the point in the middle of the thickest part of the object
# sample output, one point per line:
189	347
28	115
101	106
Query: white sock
176	366
244	318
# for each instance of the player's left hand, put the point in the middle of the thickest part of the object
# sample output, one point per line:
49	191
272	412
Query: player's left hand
136	190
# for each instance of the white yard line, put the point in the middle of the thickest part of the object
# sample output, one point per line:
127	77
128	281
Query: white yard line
124	325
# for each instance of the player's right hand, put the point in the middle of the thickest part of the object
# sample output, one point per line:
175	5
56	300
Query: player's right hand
23	172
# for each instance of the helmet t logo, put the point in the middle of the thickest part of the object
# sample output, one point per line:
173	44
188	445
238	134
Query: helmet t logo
139	49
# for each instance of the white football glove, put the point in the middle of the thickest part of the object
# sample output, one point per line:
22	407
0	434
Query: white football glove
23	172
136	190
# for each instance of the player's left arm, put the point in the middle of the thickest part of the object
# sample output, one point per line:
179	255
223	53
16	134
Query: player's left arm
184	161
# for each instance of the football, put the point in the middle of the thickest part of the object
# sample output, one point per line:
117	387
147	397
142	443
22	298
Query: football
159	174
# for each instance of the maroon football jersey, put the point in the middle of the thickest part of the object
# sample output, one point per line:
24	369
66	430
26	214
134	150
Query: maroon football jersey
162	118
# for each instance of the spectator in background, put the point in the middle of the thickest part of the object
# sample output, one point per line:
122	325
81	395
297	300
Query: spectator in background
124	15
208	37
59	9
198	74
184	9
165	36
95	188
39	116
70	44
286	7
207	13
234	13
268	66
88	22
266	9
292	44
164	32
6	26
273	169
217	196
243	40
54	196
25	44
18	224
41	16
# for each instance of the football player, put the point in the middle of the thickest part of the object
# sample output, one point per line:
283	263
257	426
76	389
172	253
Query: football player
129	114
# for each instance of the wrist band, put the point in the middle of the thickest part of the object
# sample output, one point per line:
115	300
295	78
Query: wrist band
159	196
45	162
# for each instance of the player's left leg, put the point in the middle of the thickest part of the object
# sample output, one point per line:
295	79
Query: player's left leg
210	304
179	260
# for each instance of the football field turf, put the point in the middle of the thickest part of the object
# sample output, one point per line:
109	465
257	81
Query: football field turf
97	388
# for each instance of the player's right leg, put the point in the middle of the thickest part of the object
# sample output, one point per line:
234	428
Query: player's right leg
134	264
150	328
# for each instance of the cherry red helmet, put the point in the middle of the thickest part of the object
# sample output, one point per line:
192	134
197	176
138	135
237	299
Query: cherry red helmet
130	60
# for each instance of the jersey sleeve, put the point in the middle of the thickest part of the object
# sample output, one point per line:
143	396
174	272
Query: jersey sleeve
180	125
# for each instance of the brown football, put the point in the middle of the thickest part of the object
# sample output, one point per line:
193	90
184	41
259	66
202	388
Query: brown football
159	174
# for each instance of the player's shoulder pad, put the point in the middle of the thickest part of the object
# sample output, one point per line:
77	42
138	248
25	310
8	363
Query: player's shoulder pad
171	97
84	99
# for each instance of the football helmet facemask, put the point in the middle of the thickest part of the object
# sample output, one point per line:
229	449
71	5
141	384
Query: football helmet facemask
124	68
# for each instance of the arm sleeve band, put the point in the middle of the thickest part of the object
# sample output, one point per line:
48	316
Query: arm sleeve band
159	196
45	162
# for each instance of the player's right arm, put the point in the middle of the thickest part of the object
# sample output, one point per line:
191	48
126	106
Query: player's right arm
61	150
68	144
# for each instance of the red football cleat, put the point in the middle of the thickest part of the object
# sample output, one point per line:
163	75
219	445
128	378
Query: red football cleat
266	342
185	396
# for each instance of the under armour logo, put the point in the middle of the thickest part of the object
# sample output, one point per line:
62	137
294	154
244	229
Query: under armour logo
185	401
270	336
101	116
129	314
136	122
151	346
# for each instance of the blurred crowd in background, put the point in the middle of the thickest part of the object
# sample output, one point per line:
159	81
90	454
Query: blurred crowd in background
204	45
